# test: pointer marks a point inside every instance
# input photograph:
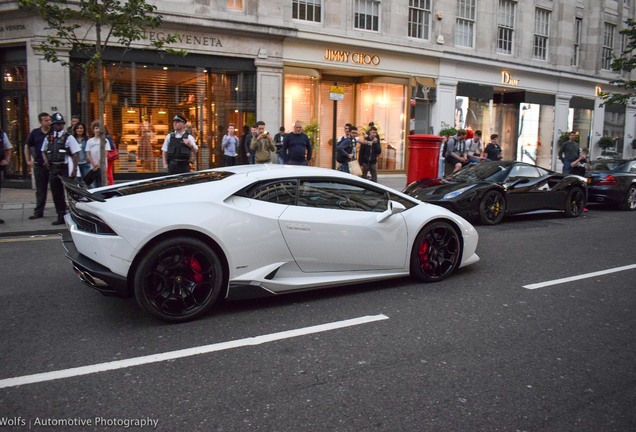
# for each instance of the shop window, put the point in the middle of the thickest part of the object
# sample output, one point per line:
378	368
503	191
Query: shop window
419	19
384	105
144	99
307	10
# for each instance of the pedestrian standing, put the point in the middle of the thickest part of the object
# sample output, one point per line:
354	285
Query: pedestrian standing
230	144
34	159
59	150
296	149
569	151
262	145
370	149
178	147
6	149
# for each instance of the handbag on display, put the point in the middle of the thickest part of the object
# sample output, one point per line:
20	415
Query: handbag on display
354	168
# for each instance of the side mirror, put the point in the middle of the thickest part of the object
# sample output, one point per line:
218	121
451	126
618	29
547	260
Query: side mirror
393	207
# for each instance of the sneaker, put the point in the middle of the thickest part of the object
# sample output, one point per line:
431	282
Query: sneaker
59	221
36	216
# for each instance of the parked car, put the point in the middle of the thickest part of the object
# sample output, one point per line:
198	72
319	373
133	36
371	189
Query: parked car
179	243
486	192
613	182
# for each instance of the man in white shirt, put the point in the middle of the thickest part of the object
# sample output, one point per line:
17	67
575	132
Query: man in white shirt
475	148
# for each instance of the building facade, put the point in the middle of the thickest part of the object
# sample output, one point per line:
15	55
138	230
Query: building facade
529	71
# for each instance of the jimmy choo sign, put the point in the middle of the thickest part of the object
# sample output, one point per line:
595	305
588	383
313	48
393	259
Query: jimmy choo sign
358	58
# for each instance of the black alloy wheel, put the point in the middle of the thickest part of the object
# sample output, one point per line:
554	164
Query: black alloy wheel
436	252
575	202
629	203
178	279
492	208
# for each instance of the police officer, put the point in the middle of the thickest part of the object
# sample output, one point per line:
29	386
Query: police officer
60	152
178	147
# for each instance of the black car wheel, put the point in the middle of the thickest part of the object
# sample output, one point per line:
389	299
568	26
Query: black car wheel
492	208
629	203
575	202
178	279
436	252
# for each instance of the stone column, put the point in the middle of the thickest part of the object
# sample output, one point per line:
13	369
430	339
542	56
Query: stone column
269	90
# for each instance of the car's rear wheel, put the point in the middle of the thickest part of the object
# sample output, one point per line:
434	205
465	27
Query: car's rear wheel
178	279
575	202
629	203
492	208
436	252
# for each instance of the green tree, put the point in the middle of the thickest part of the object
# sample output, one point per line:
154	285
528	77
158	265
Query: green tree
624	63
89	27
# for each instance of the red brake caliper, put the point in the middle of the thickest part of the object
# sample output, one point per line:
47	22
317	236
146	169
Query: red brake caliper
195	266
424	261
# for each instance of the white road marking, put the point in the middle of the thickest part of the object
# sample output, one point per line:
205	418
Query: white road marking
579	277
188	352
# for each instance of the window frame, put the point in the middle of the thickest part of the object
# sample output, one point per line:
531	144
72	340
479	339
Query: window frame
363	19
506	16
308	4
231	5
419	25
576	54
465	23
541	37
607	47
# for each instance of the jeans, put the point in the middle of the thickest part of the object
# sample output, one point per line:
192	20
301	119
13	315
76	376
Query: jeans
567	166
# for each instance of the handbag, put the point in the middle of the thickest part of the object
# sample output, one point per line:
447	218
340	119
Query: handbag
113	154
354	168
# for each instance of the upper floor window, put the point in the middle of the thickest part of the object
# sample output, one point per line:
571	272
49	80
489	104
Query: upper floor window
307	10
420	18
541	34
505	26
234	5
465	29
576	54
609	31
367	14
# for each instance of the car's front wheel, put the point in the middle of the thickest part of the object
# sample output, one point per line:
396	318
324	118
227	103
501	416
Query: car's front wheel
436	252
492	208
178	279
629	203
575	202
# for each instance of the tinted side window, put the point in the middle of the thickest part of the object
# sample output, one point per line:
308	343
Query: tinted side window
522	171
342	196
279	192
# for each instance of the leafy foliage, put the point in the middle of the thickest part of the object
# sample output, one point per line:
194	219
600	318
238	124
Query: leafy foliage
625	63
448	131
605	142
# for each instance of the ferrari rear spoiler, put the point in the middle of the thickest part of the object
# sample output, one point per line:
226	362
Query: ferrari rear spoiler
79	193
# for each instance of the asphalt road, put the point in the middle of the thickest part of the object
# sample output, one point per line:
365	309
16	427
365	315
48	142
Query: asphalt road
478	352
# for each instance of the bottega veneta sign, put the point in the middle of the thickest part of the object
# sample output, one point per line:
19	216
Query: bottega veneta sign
351	57
186	39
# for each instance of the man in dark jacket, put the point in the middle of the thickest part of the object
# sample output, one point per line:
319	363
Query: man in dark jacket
296	147
569	152
370	149
346	151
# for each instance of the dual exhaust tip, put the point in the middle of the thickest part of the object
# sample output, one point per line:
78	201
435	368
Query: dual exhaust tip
88	278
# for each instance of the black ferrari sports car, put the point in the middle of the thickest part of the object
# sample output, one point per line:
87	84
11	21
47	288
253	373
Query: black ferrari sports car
486	192
613	181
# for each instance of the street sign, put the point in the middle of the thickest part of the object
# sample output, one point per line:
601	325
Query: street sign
336	93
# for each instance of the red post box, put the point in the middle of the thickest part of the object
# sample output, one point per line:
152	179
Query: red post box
424	154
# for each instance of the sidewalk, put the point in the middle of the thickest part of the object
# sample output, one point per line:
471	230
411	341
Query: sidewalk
16	205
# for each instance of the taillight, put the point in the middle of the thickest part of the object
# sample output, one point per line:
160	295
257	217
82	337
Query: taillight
607	181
